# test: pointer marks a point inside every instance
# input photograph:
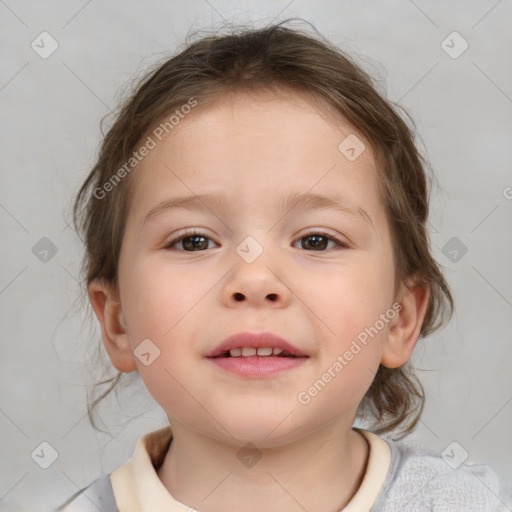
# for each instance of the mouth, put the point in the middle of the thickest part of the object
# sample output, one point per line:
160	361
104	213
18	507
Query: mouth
262	345
257	355
253	353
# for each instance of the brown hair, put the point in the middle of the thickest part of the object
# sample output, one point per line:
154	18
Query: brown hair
269	58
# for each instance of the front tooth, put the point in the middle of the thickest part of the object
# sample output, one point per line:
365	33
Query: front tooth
266	351
235	352
248	351
277	351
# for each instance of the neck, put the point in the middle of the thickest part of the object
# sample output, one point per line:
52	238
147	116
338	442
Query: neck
322	471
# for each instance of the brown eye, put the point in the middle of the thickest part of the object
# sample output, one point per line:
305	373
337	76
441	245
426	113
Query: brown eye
191	242
318	241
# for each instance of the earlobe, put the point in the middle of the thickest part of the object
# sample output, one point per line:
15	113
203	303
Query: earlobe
108	310
405	327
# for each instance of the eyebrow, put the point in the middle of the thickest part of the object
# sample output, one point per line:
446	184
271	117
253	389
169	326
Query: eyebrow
288	202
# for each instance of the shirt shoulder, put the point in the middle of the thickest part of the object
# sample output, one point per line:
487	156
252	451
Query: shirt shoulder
96	496
420	479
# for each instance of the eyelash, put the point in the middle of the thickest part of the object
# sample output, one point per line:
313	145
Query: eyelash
194	232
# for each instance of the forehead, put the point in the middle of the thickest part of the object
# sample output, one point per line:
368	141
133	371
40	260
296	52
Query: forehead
257	145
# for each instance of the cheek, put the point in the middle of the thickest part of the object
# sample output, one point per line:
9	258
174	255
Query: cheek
158	298
159	306
350	308
353	296
163	304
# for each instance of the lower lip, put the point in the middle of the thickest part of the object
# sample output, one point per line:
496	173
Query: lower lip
257	366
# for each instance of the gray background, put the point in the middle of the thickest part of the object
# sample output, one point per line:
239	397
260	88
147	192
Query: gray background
51	110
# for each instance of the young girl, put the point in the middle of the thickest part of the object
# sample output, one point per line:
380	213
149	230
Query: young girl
256	248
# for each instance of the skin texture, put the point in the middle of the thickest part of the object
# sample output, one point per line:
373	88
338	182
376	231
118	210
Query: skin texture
252	150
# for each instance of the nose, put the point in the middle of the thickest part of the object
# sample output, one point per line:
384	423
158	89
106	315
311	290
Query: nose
255	284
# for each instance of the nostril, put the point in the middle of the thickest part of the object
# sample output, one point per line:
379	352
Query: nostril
240	296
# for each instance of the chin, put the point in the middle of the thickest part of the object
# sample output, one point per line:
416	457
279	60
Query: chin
264	432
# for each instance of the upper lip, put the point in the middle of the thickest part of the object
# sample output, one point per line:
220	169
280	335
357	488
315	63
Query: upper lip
256	340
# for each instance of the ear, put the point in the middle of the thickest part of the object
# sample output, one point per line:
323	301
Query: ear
405	327
105	303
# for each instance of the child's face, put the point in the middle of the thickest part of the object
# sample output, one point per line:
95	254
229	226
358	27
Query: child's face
253	151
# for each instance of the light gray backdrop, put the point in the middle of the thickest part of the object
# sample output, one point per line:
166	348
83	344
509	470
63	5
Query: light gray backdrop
461	99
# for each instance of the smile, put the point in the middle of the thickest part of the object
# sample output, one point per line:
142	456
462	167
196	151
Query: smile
255	352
